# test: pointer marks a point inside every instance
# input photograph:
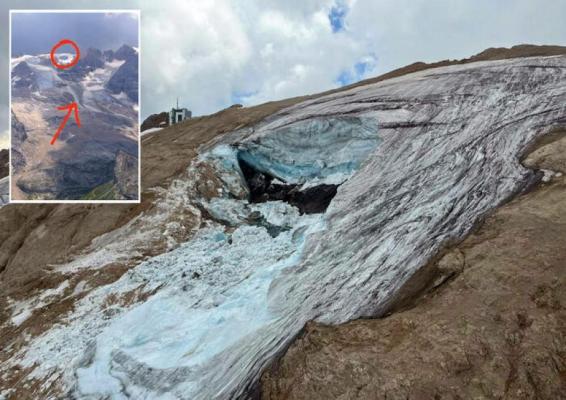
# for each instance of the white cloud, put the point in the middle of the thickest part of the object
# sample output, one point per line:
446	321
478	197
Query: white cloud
216	52
254	51
194	52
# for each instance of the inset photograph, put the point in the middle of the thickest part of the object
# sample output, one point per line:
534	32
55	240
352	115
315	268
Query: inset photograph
74	99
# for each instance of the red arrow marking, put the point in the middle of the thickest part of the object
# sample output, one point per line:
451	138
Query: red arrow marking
71	107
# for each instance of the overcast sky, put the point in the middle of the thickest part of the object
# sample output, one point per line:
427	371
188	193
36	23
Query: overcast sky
213	53
36	33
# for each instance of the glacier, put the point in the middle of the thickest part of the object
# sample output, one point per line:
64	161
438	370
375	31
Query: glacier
316	149
186	325
417	161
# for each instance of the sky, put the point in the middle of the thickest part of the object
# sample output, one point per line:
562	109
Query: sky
36	33
215	53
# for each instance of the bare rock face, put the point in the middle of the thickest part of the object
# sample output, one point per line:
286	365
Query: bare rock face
19	136
126	175
493	330
160	120
125	52
126	77
27	77
4	167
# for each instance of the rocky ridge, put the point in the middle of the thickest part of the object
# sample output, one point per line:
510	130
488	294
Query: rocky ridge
4	167
160	120
125	79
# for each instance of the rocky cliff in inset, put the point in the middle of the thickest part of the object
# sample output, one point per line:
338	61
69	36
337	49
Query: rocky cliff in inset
125	79
4	167
126	175
104	86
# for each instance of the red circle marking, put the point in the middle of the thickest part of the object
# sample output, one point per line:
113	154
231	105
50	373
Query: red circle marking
63	43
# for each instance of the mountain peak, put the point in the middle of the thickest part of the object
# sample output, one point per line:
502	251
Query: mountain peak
23	76
22	68
125	52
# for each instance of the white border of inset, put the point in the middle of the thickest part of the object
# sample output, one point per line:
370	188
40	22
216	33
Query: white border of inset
138	201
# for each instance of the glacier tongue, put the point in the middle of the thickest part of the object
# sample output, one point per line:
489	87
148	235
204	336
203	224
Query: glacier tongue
445	153
214	296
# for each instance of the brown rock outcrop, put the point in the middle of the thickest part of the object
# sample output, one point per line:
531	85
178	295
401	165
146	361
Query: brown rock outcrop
4	167
126	175
160	120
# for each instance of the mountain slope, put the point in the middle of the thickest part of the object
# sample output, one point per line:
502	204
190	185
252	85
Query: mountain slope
399	153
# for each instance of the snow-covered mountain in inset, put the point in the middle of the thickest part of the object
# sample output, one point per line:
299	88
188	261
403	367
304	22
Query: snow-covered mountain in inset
81	164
